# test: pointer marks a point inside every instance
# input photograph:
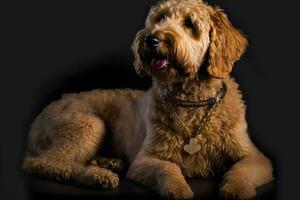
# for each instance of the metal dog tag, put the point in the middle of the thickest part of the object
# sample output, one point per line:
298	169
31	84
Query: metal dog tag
193	147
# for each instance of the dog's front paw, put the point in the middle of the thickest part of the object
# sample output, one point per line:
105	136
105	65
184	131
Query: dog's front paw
176	190
237	189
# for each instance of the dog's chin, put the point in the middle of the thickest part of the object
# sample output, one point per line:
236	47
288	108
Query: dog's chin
162	69
160	65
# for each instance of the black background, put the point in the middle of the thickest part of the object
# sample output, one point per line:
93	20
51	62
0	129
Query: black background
51	48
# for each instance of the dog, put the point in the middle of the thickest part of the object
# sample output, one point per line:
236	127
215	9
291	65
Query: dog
190	123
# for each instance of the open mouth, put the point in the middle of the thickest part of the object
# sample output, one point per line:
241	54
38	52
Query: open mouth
159	63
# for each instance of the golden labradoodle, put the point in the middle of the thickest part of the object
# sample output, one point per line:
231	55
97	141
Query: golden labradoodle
191	123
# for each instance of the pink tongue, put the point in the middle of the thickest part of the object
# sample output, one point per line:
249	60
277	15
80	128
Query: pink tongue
158	63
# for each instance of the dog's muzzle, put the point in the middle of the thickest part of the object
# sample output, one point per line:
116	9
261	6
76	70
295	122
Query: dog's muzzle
156	62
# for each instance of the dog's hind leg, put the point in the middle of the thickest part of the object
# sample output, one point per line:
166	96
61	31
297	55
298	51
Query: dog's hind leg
71	172
74	139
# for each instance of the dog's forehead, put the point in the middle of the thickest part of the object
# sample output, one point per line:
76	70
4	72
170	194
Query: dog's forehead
181	8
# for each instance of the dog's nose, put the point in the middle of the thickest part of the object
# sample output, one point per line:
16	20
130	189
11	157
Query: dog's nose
152	42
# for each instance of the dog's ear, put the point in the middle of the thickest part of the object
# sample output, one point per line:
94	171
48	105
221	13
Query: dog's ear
138	64
226	46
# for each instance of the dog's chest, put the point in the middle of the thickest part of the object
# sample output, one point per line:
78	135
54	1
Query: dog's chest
172	135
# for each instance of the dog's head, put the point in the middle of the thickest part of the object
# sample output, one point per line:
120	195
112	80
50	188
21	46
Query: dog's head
179	35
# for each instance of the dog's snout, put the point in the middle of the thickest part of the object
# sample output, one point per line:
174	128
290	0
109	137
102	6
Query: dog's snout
152	42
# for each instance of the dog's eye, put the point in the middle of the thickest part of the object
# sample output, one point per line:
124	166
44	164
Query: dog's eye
191	27
159	17
188	23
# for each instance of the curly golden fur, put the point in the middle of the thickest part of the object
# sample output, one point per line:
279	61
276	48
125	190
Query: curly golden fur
198	46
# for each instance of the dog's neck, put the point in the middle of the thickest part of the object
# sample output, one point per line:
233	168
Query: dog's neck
199	88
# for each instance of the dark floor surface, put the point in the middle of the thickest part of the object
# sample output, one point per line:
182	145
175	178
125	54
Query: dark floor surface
203	189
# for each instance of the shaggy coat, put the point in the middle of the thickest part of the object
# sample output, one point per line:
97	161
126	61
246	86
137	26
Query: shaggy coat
198	46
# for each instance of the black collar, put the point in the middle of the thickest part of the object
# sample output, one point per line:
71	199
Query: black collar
169	96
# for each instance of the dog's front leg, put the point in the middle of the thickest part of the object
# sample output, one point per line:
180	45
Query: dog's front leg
250	172
163	176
